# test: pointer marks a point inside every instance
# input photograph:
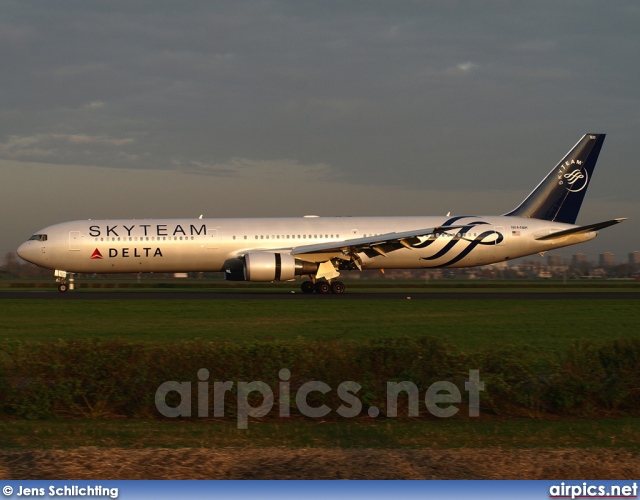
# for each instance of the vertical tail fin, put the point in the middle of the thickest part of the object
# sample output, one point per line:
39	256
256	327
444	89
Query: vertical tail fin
559	196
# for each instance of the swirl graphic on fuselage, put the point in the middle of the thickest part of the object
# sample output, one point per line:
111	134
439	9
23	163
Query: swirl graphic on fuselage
460	242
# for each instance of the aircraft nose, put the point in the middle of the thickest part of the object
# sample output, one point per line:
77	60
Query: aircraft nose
26	251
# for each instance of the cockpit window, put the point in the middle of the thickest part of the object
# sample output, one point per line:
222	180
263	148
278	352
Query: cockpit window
39	237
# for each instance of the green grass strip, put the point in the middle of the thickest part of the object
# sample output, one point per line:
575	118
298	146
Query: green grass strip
59	434
470	324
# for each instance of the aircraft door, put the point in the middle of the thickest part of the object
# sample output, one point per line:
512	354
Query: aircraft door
74	240
212	238
500	231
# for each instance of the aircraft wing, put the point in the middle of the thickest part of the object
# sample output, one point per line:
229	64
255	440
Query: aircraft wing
581	229
371	245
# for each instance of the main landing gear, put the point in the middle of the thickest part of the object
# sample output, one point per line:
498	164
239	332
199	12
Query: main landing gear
323	287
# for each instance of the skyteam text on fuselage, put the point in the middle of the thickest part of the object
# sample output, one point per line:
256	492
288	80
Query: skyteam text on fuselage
320	247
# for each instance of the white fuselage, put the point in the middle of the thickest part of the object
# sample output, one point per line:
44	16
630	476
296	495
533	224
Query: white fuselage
185	245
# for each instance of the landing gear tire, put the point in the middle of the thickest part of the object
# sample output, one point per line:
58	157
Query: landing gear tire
307	287
62	287
337	287
323	287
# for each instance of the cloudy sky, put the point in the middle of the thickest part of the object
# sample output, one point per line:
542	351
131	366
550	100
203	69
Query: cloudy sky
285	108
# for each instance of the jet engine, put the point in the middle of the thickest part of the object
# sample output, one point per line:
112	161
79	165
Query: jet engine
268	266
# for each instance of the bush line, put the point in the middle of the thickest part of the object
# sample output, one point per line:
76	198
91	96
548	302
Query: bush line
118	378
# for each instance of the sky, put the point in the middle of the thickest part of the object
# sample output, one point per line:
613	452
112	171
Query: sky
152	109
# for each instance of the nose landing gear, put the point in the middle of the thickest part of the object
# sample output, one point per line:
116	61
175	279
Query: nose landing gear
61	279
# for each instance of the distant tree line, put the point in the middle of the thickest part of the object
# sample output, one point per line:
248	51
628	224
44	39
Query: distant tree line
15	267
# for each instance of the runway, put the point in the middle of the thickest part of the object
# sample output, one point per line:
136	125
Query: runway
280	295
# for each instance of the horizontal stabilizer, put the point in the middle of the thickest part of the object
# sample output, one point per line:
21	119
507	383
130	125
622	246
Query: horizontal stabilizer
582	229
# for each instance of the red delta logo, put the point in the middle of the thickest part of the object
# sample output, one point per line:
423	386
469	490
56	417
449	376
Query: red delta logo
96	254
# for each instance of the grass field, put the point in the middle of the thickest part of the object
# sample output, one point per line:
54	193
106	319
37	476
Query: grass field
549	325
56	434
469	324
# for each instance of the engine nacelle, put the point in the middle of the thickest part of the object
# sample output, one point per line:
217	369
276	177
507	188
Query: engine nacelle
268	266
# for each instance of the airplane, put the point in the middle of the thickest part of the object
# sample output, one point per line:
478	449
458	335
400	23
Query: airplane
281	249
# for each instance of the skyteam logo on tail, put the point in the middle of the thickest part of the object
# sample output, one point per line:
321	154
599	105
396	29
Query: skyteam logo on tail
573	180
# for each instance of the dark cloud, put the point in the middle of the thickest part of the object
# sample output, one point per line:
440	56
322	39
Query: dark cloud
359	85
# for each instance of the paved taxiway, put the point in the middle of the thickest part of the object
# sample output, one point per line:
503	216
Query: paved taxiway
241	295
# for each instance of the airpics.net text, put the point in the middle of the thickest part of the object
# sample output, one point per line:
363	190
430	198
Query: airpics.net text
439	398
